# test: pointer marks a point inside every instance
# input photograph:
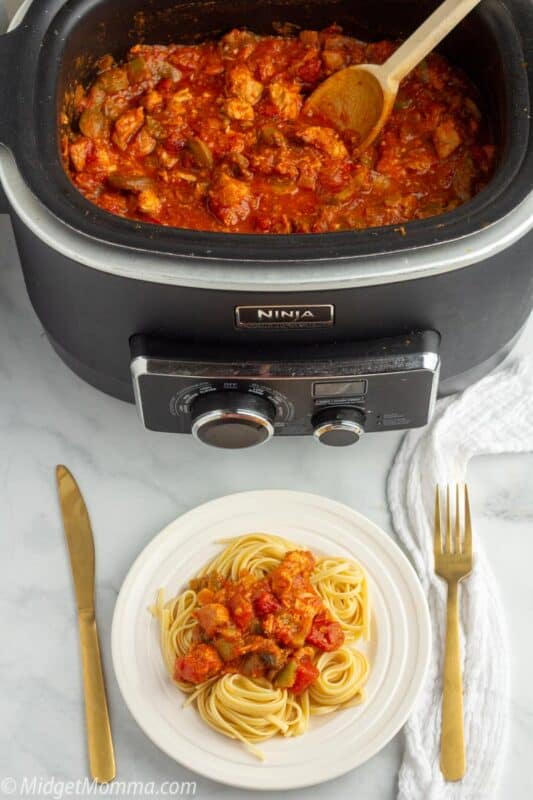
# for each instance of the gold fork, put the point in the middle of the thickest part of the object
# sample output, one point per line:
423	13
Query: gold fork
453	562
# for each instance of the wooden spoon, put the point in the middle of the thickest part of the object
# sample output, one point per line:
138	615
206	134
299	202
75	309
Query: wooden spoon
360	98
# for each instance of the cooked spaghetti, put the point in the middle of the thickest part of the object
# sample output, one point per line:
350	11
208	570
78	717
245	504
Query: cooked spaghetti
264	638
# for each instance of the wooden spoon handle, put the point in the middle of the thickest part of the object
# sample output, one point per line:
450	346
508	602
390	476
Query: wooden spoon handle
426	37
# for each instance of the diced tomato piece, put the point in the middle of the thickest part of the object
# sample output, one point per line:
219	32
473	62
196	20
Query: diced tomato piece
241	610
212	617
164	85
266	603
200	663
305	675
326	634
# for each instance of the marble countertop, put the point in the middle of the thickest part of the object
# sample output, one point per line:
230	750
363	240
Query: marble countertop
135	482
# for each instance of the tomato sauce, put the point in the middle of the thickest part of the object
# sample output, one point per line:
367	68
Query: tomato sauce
214	137
270	628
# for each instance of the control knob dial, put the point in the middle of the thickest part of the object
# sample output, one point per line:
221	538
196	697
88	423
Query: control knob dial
232	419
338	426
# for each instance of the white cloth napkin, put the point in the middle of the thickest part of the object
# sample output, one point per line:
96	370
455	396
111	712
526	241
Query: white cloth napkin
493	416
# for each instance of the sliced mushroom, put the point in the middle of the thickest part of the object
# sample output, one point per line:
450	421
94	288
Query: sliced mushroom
200	152
130	183
271	135
93	123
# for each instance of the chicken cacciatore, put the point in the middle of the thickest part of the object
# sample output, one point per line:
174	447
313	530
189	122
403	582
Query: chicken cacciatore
215	137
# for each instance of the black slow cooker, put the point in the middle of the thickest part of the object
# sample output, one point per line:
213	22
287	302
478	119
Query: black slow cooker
238	337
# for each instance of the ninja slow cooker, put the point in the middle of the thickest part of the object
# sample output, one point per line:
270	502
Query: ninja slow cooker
236	337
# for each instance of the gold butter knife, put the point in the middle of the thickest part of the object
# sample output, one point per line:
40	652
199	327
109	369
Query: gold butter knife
81	548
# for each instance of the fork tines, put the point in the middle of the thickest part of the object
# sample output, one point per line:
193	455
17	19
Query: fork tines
449	542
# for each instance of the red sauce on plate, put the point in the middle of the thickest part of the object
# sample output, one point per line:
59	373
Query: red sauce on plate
262	628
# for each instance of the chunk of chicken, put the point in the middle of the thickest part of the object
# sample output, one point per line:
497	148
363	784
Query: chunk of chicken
333	60
105	159
126	126
148	202
230	199
144	142
166	159
152	100
176	103
233	41
309	38
243	85
287	100
78	151
239	109
295	565
213	618
324	139
446	138
200	663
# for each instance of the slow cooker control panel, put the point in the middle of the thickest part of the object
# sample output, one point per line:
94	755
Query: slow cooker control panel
334	392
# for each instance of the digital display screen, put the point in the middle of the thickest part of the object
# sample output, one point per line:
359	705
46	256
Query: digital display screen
340	389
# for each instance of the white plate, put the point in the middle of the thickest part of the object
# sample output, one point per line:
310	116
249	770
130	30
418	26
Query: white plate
399	649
